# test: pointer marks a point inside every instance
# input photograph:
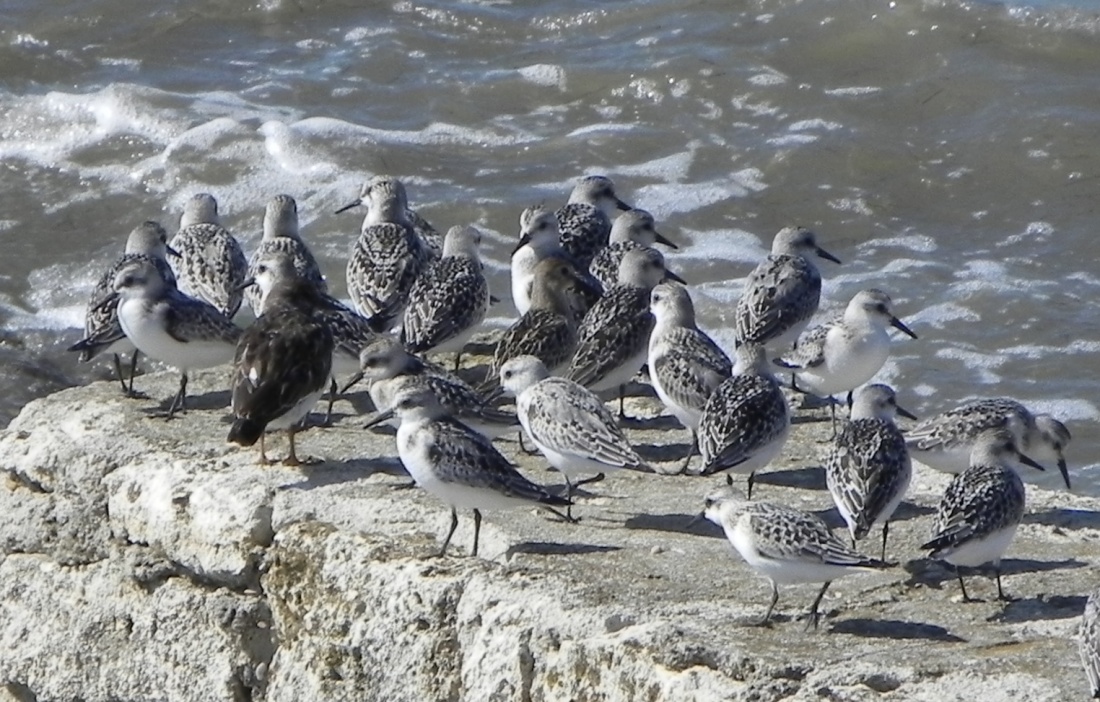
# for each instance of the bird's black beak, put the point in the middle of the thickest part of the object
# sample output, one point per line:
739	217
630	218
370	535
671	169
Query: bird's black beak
172	252
354	203
524	240
905	413
622	205
1064	470
898	324
494	394
826	255
379	418
245	285
696	519
1029	462
351	382
669	275
664	241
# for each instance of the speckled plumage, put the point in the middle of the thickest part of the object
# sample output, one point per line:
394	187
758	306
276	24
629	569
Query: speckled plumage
282	236
211	265
539	241
457	464
384	264
867	469
613	339
982	507
450	297
782	293
945	441
584	222
548	330
746	421
783	544
387	200
1088	642
283	361
389	369
633	229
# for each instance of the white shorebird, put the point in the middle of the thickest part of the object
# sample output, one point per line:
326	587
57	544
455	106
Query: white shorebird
382	210
168	326
846	352
1088	643
867	468
585	221
685	365
282	235
569	424
613	339
283	361
388	256
782	293
449	299
982	507
211	265
633	229
457	464
944	442
548	330
389	368
785	545
102	331
746	420
539	241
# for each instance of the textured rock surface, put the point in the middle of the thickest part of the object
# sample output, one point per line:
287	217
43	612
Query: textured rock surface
149	560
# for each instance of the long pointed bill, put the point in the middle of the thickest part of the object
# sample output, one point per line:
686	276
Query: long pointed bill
172	252
379	418
524	240
1029	462
664	241
354	203
826	255
669	275
351	383
245	285
622	205
696	519
1064	470
898	324
494	394
906	413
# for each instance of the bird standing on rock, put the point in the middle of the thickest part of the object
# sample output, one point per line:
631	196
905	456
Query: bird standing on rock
211	265
283	361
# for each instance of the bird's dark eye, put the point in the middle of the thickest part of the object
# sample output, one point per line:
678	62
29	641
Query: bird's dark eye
261	268
881	308
507	374
370	362
708	503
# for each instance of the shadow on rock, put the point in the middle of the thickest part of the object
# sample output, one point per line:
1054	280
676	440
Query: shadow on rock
908	510
325	474
675	523
1065	518
894	629
1041	608
809	478
545	548
664	453
935	573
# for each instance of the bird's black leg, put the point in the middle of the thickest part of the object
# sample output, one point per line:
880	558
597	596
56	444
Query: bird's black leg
813	614
477	528
454	525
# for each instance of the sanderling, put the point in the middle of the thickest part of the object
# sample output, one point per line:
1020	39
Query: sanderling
569	424
944	442
613	339
685	365
538	242
868	468
585	221
283	361
102	331
282	234
548	330
449	299
171	327
746	421
782	293
389	368
982	507
457	464
846	352
1088	643
211	265
387	257
785	545
632	229
383	209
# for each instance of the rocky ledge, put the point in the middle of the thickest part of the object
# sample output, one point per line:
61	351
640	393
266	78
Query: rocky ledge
149	560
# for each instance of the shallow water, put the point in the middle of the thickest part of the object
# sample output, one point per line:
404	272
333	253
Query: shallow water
946	152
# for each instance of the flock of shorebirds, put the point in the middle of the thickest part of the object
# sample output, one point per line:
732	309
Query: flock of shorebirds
597	305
